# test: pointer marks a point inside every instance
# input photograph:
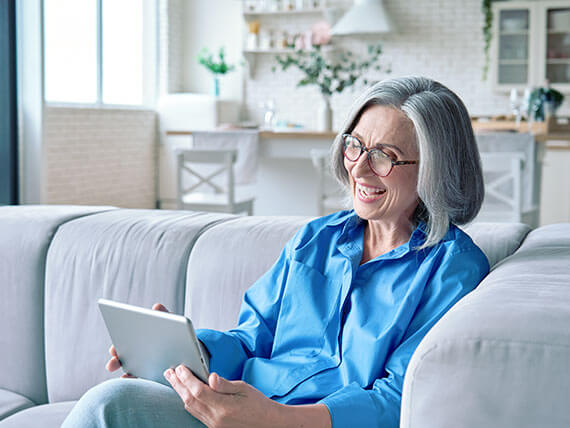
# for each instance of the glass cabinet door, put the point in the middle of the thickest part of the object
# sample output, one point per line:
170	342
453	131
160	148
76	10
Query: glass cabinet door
513	46
558	45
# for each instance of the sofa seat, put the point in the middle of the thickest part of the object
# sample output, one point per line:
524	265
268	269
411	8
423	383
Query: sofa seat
500	354
10	403
46	415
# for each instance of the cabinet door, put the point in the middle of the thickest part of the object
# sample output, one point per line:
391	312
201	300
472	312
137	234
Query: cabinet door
554	52
555	198
513	50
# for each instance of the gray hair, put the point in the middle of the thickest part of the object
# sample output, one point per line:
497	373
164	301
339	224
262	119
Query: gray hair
450	181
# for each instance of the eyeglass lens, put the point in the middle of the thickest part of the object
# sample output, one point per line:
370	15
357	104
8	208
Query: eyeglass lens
380	163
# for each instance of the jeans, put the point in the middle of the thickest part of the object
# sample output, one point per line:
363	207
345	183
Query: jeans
130	403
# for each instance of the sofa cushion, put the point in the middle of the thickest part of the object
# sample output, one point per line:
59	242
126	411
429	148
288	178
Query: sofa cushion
501	354
497	240
133	256
25	235
45	416
10	403
226	260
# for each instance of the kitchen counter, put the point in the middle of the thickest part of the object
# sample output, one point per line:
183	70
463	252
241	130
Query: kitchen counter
556	136
555	139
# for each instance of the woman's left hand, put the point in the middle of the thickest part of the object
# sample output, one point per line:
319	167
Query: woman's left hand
223	403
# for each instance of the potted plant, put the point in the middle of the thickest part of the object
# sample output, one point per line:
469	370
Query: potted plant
331	72
543	102
216	67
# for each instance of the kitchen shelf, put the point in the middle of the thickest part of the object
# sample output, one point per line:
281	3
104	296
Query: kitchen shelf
254	14
558	61
268	51
251	54
278	51
513	61
514	33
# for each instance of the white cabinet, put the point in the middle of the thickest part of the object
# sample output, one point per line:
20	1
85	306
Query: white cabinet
531	43
555	197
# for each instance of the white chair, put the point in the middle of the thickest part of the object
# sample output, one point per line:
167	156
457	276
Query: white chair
502	172
220	198
506	143
330	196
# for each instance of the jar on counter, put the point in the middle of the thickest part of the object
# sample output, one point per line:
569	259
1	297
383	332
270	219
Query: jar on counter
251	5
288	5
283	41
266	40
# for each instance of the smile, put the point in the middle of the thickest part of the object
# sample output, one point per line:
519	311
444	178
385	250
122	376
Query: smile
368	193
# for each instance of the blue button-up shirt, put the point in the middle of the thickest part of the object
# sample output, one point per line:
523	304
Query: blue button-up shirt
321	327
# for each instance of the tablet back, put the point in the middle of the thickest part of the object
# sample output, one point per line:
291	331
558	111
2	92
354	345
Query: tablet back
149	342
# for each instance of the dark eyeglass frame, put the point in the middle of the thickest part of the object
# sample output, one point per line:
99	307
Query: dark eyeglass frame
373	150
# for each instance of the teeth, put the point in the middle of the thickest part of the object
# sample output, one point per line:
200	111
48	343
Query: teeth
369	191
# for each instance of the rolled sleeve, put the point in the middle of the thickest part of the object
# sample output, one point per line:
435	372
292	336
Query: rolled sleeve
354	406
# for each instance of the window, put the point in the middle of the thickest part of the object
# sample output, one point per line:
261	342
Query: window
99	51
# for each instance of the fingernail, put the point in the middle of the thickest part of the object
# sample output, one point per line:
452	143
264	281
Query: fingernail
179	370
168	374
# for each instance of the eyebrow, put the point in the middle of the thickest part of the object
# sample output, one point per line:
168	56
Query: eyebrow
379	145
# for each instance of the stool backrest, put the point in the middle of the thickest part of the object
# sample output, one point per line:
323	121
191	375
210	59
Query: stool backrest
502	173
187	161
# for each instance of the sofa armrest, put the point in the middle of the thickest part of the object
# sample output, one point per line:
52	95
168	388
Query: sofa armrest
499	357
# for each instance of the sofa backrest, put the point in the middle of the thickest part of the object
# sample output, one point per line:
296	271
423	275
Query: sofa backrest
25	235
227	260
132	256
497	240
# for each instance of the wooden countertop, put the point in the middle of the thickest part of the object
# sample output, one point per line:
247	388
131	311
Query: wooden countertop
273	134
555	139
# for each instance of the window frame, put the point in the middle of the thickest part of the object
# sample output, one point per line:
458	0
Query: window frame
150	62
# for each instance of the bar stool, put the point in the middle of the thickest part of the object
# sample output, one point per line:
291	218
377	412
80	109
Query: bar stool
220	198
330	196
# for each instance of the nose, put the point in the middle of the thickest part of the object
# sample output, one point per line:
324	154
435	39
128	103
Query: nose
361	166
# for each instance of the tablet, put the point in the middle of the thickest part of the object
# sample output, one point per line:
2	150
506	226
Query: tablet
149	342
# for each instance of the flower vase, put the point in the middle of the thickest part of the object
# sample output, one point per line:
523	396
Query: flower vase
325	115
216	86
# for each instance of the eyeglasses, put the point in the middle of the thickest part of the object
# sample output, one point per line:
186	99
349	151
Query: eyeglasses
380	163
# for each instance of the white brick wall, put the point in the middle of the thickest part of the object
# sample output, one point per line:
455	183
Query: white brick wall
100	157
440	39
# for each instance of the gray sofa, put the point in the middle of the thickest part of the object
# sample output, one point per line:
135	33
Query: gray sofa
498	358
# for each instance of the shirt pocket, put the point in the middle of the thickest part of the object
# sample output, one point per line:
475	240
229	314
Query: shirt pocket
308	305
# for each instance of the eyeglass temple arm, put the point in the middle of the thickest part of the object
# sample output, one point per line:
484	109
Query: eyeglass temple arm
404	162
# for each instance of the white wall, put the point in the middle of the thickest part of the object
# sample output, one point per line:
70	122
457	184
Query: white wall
440	39
100	157
211	24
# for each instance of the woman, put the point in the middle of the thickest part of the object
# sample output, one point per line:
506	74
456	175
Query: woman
324	337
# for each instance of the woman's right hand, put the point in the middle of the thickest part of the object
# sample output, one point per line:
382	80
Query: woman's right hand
114	363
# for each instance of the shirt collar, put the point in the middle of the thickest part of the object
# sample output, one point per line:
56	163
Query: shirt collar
352	236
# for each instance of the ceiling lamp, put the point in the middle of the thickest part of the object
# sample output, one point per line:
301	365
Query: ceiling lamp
365	17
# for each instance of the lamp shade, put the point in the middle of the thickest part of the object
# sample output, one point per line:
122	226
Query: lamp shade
365	17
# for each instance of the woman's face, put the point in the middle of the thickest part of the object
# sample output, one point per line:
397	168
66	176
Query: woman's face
392	198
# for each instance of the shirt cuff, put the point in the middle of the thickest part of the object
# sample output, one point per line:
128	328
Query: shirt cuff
352	406
227	356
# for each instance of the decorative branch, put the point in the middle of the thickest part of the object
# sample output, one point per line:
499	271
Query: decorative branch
331	76
487	33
